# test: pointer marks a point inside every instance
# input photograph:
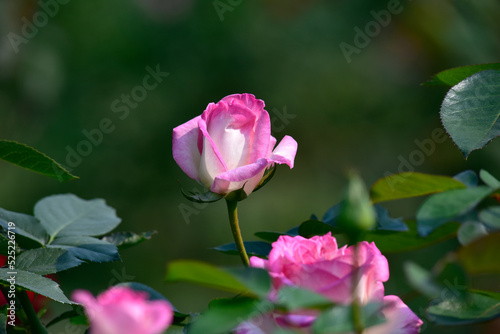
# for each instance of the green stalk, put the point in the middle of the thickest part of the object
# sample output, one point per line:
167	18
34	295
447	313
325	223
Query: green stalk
232	211
36	326
356	307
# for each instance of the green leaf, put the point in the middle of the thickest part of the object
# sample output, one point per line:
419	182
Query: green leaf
395	242
152	293
207	197
479	306
481	255
205	274
45	261
26	226
29	158
87	248
468	178
311	228
223	315
447	206
489	179
3	323
386	222
269	236
256	280
411	184
470	231
69	215
453	76
491	216
339	319
36	283
124	240
255	248
76	316
293	298
470	111
421	280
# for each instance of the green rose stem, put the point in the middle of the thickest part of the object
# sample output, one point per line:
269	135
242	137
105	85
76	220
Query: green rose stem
232	211
34	323
356	307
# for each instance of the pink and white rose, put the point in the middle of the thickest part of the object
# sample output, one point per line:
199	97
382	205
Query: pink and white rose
319	265
230	145
122	310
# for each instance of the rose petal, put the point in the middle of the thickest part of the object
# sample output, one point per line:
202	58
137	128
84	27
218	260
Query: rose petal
231	128
235	178
399	319
185	147
285	152
260	140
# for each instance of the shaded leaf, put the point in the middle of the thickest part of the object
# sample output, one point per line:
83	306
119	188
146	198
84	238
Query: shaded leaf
87	248
311	228
468	178
29	158
124	240
269	236
255	248
339	319
225	314
471	109
330	217
36	283
470	231
453	76
292	298
491	216
3	323
411	184
392	242
447	206
386	222
198	197
69	215
26	225
45	261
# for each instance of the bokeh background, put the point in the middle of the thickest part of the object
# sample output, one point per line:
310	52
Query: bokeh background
66	65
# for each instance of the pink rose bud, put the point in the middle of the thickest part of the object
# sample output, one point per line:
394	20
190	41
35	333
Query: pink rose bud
122	310
317	264
230	145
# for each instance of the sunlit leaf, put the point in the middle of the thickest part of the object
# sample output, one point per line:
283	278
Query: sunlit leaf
453	76
470	111
411	184
447	206
29	158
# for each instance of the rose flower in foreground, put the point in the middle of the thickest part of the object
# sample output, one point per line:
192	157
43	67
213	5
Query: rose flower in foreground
230	145
319	265
122	310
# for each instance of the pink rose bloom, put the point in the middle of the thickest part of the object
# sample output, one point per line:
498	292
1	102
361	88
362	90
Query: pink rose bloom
230	145
319	265
122	310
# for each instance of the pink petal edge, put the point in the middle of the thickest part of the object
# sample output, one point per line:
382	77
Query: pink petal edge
285	152
185	147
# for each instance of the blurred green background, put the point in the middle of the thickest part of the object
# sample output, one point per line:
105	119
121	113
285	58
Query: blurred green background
63	64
